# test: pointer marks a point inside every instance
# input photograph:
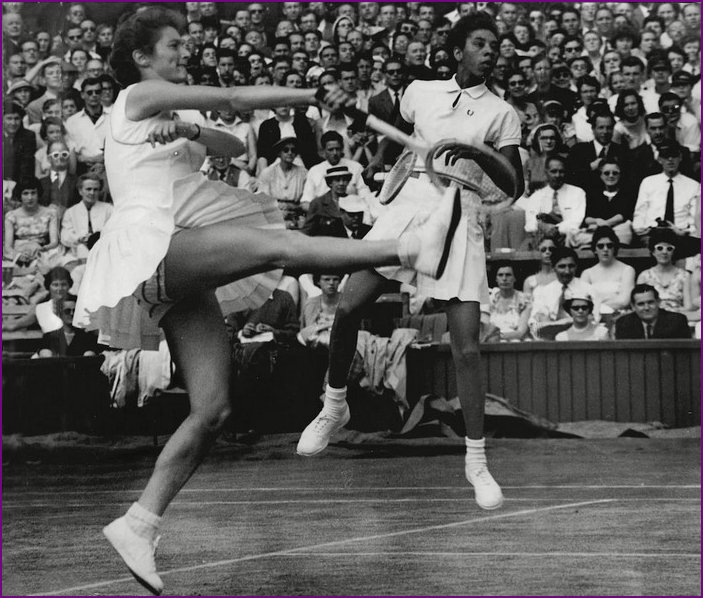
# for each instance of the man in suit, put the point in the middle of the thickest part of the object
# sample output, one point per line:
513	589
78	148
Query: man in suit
18	145
59	188
386	106
584	158
649	321
645	158
81	224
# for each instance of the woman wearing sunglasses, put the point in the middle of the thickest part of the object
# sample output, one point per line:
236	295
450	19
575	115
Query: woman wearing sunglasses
610	278
580	308
672	283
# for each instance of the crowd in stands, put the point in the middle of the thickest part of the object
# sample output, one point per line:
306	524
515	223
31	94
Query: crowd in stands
608	94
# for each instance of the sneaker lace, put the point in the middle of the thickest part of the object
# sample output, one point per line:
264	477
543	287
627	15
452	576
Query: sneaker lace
324	423
482	475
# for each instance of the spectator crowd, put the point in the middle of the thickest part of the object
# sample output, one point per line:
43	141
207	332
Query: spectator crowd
608	94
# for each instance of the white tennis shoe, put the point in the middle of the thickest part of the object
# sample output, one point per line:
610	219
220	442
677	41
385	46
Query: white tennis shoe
487	492
426	248
316	436
137	553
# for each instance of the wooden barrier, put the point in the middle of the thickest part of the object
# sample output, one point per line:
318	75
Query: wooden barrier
624	381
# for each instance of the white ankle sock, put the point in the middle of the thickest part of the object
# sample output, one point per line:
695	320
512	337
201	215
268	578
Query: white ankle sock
475	454
143	522
408	249
335	400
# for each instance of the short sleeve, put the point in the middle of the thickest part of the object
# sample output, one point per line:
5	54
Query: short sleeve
407	103
505	129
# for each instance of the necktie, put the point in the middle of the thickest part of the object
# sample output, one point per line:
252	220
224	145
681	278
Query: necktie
555	203
55	186
561	312
396	103
602	153
669	211
90	224
650	331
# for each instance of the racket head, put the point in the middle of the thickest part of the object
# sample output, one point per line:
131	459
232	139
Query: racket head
467	172
396	178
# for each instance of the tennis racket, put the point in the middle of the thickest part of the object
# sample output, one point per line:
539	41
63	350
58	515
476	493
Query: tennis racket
448	163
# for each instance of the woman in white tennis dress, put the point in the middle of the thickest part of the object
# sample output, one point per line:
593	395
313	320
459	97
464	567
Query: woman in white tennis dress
175	237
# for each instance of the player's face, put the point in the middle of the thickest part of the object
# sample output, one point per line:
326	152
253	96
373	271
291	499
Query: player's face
479	54
170	56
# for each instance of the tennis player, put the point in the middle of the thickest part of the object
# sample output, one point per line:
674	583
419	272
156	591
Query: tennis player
462	108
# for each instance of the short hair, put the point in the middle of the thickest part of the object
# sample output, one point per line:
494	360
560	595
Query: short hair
88	176
669	96
605	232
210	22
653	116
620	103
466	26
625	33
225	53
498	264
559	253
587	80
603	113
328	136
632	61
50	120
643	288
555	158
57	273
571	9
12	108
676	50
571	38
347	67
281	40
91	81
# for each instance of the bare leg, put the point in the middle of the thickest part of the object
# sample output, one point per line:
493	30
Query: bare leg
361	289
464	319
211	256
198	342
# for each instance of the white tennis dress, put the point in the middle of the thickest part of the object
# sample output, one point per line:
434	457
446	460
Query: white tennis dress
442	110
158	191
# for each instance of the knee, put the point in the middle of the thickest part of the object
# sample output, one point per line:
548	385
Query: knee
347	312
212	420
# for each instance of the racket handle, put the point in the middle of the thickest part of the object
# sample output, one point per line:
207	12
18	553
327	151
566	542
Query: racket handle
351	111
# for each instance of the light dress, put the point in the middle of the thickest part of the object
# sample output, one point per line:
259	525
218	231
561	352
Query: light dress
441	110
671	293
158	191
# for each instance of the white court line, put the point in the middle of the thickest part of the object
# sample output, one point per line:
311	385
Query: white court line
657	555
318	489
328	501
291	551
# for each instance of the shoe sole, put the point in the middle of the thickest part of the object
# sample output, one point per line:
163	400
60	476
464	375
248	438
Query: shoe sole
491	508
317	452
143	582
453	224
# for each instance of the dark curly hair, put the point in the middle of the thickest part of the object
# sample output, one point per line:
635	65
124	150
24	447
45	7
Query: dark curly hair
140	31
466	26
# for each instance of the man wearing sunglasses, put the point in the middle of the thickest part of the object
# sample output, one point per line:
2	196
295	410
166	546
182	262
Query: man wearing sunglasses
648	320
683	127
669	199
87	128
59	187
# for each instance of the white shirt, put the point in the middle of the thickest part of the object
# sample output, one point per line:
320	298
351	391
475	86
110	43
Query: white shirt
688	132
57	175
582	128
315	186
88	137
650	99
442	110
75	225
651	201
570	199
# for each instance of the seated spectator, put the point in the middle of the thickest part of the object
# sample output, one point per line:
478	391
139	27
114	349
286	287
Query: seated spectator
326	206
580	308
31	231
276	320
585	158
610	204
57	283
68	341
52	129
630	130
59	186
548	315
682	126
18	145
610	278
333	152
546	142
284	181
546	273
20	93
671	282
318	311
508	308
648	320
669	199
353	211
556	210
82	223
238	124
286	122
222	168
88	127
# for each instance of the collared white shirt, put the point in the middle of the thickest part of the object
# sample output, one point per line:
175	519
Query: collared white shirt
582	128
600	147
75	225
570	199
315	186
688	132
651	202
88	137
442	110
59	175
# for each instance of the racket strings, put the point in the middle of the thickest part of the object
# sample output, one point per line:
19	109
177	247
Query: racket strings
396	178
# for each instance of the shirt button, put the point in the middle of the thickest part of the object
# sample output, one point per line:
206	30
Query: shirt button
175	153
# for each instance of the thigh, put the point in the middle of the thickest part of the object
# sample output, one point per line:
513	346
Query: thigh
363	288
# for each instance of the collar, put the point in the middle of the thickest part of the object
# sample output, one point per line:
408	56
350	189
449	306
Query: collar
452	86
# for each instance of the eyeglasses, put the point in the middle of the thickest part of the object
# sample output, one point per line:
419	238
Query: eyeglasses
611	173
580	307
546	249
57	155
93	92
562	75
74	37
288	150
670	109
605	245
515	83
667	248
